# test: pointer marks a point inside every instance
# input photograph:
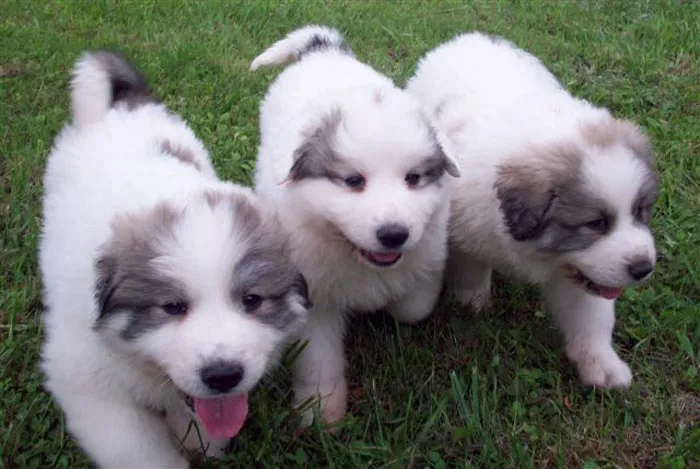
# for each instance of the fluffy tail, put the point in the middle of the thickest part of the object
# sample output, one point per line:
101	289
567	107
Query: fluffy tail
301	42
100	80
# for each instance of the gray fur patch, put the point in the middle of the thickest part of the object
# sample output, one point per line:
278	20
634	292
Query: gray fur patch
266	270
214	198
543	200
526	187
180	153
128	83
566	222
261	273
431	169
251	220
315	158
321	43
646	198
127	281
608	132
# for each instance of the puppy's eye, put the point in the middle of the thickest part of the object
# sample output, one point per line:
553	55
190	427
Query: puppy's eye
356	181
643	214
435	173
412	179
252	302
599	224
176	308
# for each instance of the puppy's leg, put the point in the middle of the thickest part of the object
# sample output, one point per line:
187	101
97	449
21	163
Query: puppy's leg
192	436
469	280
117	434
587	322
319	370
418	303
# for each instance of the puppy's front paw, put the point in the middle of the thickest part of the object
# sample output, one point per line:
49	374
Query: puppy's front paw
603	369
332	404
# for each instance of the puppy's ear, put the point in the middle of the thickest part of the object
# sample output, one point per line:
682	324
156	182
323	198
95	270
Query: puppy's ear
527	185
302	289
106	284
314	158
444	145
525	196
524	207
451	165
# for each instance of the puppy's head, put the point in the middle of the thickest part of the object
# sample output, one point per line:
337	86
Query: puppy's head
373	171
586	204
204	291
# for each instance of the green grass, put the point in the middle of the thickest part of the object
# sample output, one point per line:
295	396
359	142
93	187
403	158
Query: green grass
487	391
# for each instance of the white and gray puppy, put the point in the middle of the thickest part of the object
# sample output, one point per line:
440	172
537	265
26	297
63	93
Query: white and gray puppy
558	192
168	293
360	180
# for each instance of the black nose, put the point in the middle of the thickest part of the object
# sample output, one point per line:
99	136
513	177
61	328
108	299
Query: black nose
392	236
221	376
640	269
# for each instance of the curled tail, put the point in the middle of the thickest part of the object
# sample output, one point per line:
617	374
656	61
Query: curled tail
102	79
303	41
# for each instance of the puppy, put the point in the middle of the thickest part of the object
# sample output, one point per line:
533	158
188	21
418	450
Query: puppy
359	178
559	192
168	293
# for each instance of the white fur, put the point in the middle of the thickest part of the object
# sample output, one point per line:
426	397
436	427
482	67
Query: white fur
382	135
108	164
492	100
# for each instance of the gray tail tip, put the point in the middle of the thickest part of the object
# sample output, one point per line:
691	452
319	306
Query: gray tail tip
322	41
126	81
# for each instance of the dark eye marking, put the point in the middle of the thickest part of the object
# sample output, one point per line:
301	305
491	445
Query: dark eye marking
176	308
268	286
428	172
600	225
642	214
251	302
355	181
412	179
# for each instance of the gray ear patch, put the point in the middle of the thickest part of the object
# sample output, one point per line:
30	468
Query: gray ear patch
524	207
315	157
527	185
127	282
608	132
266	269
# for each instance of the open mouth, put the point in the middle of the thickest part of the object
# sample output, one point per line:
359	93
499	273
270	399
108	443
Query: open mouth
222	416
375	258
380	259
577	277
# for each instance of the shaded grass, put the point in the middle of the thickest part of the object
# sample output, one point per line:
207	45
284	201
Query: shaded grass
489	391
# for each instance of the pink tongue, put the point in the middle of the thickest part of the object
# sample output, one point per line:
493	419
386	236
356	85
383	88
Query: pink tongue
609	293
385	257
223	417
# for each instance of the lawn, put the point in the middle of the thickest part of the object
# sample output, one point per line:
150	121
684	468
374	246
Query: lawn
488	391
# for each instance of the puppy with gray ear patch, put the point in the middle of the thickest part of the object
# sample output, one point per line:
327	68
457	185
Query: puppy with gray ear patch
168	293
558	192
361	181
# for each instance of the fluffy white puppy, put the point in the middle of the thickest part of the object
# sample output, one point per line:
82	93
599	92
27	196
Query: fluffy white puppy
558	191
360	180
168	293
